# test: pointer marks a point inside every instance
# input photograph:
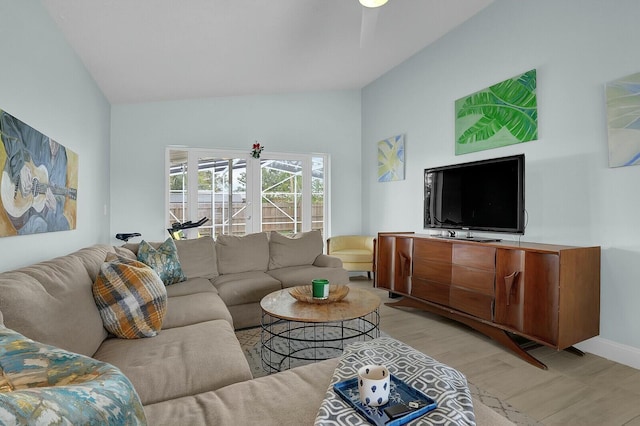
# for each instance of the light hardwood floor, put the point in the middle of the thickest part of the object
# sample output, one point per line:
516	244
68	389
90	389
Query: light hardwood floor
575	390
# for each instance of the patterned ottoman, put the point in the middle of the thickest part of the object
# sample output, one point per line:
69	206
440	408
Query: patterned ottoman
447	386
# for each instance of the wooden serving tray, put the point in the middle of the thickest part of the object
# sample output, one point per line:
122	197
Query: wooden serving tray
304	293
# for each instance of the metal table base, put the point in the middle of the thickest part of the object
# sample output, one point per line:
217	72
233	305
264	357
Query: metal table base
287	344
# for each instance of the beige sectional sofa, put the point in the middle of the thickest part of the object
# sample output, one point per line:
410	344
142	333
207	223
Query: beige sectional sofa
250	267
193	371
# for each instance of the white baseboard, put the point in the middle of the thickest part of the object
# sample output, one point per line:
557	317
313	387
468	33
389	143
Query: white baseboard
623	354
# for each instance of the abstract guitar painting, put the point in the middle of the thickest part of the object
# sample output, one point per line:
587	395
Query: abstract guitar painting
38	186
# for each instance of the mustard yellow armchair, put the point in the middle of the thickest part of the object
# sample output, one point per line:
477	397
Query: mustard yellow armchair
355	251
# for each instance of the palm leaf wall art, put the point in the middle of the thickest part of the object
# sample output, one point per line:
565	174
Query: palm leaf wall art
503	114
391	159
623	121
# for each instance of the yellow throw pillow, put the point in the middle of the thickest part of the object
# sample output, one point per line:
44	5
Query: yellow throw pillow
131	298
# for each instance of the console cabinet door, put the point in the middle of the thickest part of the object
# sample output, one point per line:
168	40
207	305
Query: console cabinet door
527	293
510	288
393	263
431	279
542	289
403	261
384	261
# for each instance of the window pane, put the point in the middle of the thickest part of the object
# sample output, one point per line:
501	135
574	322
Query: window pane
281	195
178	194
317	194
222	195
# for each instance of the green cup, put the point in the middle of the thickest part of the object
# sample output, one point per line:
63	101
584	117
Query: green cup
320	288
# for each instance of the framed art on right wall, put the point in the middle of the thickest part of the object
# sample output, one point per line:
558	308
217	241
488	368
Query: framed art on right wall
623	120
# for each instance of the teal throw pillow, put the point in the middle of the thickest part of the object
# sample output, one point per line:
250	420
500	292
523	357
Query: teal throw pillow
164	260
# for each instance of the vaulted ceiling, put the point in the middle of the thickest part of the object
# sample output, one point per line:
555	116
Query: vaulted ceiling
154	50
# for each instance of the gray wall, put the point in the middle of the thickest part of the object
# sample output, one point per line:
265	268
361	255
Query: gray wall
572	196
324	122
44	84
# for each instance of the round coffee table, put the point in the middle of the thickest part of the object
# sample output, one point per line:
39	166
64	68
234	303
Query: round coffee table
296	333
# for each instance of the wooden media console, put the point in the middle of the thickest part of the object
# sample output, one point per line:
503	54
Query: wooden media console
511	292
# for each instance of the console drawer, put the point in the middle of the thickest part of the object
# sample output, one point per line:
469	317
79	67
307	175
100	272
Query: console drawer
471	302
431	291
432	271
474	256
473	279
436	251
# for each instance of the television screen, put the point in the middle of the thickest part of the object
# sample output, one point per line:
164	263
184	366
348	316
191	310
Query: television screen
485	195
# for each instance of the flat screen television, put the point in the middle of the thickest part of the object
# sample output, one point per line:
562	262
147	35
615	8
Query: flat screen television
485	195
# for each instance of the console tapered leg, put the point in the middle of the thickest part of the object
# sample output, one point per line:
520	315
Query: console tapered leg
497	334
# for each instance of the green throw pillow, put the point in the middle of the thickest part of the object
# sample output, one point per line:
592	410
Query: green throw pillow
164	260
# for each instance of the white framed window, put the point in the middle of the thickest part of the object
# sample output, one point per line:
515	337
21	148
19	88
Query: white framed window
240	194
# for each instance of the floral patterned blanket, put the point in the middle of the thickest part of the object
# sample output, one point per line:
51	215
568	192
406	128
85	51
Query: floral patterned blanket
42	384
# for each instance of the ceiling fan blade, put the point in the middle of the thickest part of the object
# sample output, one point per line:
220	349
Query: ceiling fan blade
368	25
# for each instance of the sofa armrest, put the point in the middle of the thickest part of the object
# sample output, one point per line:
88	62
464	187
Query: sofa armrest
326	261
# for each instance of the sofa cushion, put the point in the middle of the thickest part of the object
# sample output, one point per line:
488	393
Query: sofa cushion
246	315
245	287
42	384
52	302
123	251
303	275
198	257
191	286
179	361
164	260
92	258
133	247
242	254
195	308
301	249
326	261
131	298
289	398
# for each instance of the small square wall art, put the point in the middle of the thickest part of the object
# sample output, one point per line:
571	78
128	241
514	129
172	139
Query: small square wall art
500	115
623	121
391	159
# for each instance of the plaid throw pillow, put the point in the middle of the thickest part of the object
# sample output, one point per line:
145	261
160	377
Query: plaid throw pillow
131	298
164	260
